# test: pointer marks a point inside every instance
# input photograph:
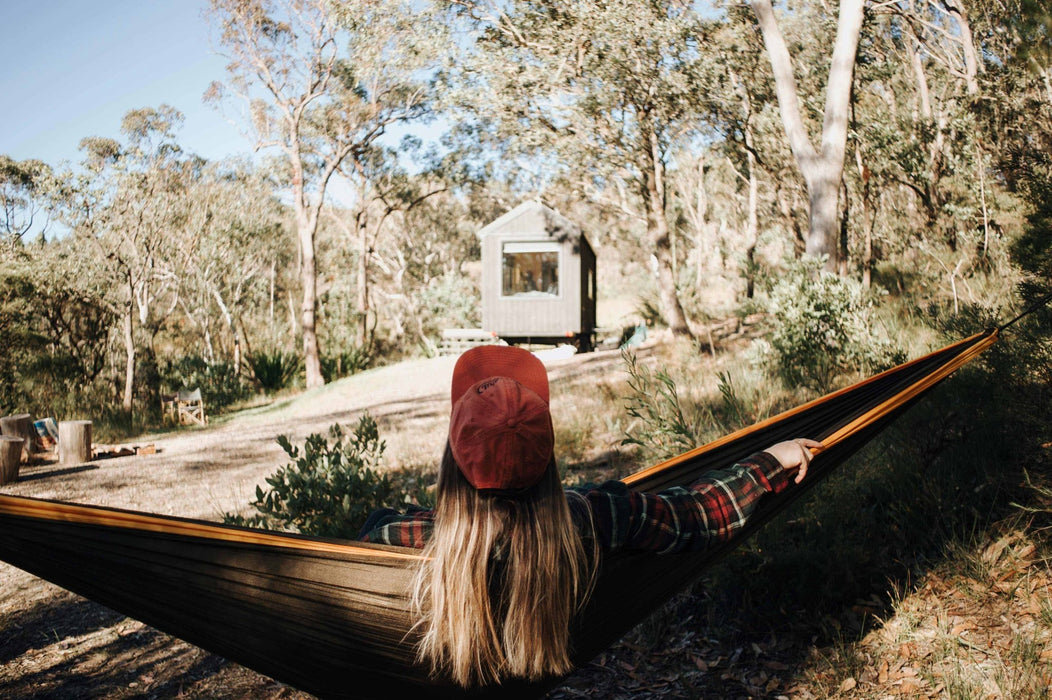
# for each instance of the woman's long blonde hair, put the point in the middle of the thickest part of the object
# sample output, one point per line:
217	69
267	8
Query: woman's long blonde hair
501	579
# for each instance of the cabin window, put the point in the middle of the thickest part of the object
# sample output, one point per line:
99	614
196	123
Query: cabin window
530	270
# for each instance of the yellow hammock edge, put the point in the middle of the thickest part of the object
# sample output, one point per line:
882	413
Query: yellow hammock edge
868	418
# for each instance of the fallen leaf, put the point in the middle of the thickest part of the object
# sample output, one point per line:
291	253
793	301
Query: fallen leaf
910	687
848	684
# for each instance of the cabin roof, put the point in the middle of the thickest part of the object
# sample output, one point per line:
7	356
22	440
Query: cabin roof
554	222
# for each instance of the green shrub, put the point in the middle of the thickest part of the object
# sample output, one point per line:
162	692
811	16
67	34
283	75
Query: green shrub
661	426
665	424
345	363
275	370
329	489
823	327
451	300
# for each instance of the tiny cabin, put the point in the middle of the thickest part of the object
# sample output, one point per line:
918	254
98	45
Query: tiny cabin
538	278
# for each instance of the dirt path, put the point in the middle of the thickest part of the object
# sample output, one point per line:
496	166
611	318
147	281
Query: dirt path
54	644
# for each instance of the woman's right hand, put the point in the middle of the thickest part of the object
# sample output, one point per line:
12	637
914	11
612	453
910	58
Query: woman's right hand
795	455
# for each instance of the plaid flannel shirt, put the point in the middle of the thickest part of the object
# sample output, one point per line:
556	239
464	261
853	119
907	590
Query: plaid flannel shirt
676	519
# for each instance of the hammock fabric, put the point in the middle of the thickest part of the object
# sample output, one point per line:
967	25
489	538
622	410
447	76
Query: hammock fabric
332	617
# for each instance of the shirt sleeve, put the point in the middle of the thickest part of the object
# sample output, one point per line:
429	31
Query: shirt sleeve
711	511
409	529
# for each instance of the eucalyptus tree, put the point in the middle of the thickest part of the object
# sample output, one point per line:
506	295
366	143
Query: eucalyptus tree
919	185
23	193
1016	40
123	204
54	326
227	253
383	193
602	94
746	168
821	167
321	83
419	261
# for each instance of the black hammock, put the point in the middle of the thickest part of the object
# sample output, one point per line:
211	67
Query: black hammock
332	617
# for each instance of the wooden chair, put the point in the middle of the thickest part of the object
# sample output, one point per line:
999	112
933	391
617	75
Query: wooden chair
169	409
184	407
191	408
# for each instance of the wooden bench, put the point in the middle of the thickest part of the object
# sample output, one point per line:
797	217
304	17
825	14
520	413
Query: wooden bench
454	341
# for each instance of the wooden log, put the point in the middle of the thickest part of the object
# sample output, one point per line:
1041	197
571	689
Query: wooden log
10	458
20	425
74	441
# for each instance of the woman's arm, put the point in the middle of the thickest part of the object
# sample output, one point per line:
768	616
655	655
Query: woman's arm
711	511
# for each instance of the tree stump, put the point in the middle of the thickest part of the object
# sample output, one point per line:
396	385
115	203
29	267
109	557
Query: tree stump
21	426
74	441
10	458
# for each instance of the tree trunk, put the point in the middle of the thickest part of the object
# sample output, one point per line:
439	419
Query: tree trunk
273	275
74	441
824	218
701	224
868	217
210	351
658	235
867	259
845	222
362	290
971	59
822	169
660	241
129	365
308	310
10	458
752	221
923	92
792	221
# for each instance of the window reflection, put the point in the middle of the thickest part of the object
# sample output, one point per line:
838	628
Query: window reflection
530	270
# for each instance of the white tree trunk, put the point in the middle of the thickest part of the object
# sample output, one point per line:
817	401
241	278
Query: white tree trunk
307	225
821	169
129	364
661	244
362	286
972	66
923	93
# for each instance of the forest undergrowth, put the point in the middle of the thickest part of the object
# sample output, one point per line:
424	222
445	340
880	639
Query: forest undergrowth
919	569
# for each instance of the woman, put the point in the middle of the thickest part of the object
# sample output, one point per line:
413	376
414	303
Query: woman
509	556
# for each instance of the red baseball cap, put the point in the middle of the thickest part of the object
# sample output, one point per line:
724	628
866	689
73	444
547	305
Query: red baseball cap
500	430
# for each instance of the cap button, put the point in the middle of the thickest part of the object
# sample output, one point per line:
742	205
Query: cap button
511	423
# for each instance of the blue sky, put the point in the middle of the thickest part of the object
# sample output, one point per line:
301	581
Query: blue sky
72	68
